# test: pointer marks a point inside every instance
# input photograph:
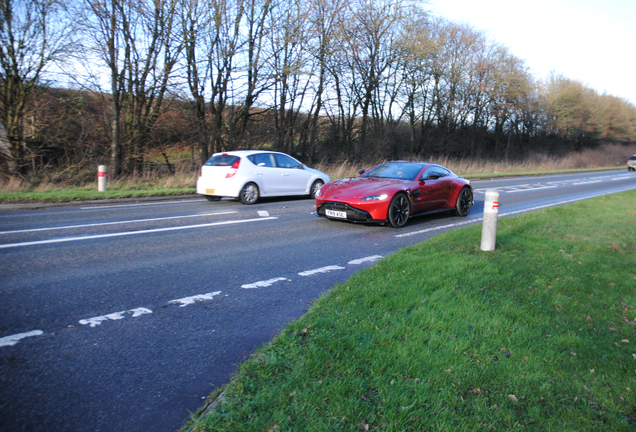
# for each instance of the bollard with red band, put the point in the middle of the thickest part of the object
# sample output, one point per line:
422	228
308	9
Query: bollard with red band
101	178
491	213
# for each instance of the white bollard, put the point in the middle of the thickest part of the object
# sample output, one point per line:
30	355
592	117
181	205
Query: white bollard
101	178
491	212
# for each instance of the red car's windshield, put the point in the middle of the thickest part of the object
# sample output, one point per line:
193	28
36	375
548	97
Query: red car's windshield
396	170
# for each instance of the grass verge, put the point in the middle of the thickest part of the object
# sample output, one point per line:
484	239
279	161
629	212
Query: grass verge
83	194
537	335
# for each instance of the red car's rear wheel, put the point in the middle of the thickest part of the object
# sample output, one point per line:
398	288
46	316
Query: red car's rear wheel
464	202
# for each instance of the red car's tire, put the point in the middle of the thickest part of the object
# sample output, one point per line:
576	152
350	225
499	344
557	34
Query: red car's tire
464	202
399	210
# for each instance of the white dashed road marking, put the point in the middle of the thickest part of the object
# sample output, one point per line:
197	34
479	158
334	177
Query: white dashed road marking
193	299
264	284
183	302
95	321
366	259
14	339
320	270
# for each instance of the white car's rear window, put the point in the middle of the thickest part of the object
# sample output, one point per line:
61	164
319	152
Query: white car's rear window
222	160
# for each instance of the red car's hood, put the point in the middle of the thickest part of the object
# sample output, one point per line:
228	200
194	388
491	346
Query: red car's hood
359	187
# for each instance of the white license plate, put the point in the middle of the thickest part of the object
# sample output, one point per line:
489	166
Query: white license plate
336	214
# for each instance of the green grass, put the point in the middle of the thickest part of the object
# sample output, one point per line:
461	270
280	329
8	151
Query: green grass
537	335
88	193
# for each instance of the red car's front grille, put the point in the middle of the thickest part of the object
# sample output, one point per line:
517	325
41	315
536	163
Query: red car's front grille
353	214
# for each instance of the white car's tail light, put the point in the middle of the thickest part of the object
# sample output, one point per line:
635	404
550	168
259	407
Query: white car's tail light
235	166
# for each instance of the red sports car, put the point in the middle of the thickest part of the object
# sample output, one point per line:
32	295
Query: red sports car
394	191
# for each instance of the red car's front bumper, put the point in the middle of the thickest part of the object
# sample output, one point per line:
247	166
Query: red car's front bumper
372	212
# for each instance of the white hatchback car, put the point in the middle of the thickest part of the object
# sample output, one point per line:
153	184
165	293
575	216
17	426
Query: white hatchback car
251	174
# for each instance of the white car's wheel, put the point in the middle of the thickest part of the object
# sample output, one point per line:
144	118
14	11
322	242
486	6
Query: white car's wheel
314	188
249	194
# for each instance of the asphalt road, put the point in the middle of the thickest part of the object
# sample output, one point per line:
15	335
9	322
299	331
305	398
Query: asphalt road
126	316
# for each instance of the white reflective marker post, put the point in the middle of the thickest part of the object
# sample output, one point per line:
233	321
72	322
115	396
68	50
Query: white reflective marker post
101	178
491	212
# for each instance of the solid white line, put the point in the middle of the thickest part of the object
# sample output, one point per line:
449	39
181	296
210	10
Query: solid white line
14	339
320	270
193	299
471	221
512	213
95	207
95	321
264	284
531	189
555	204
366	259
588	182
128	233
115	223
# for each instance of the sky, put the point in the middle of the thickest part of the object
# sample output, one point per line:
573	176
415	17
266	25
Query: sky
590	41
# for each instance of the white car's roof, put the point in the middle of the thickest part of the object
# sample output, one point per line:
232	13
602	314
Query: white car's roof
244	152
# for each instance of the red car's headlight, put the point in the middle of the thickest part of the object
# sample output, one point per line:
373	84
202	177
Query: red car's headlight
378	197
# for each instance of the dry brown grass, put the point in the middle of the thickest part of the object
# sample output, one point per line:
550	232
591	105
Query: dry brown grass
186	173
184	177
608	156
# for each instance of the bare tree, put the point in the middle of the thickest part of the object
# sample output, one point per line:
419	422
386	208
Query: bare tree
149	37
291	71
419	52
102	21
212	33
253	59
195	26
371	37
224	58
33	35
324	23
135	39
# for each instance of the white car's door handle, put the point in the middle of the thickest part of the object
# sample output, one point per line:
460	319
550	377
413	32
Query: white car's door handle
285	175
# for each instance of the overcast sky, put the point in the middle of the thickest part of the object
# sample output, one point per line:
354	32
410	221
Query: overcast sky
591	41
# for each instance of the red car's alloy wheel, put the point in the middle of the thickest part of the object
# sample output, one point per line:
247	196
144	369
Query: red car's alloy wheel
399	210
464	202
